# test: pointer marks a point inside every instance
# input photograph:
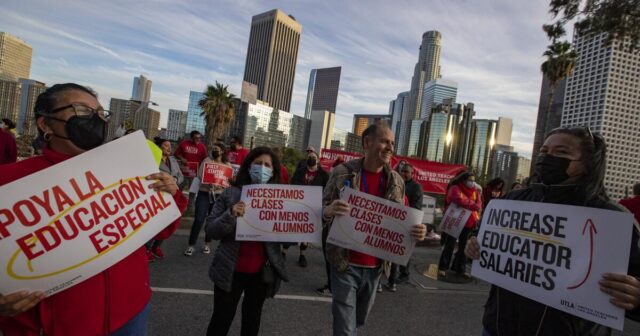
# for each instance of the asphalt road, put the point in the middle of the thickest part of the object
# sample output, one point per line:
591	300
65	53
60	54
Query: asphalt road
182	301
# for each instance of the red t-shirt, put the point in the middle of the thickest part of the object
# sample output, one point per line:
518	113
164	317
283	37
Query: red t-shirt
250	257
236	156
309	176
284	174
372	184
191	151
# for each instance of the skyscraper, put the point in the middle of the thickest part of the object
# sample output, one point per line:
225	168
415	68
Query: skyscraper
132	114
548	121
446	135
435	92
31	89
271	57
427	69
323	90
483	140
176	124
15	58
503	133
504	163
362	121
141	89
321	132
603	93
10	91
400	110
195	122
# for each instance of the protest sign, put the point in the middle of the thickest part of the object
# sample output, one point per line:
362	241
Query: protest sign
64	224
281	213
454	220
216	174
375	226
555	254
190	169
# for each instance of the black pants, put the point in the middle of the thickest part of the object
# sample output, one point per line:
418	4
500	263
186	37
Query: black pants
398	271
327	267
460	260
225	304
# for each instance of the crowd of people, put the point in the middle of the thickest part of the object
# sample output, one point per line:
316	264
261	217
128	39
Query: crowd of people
71	121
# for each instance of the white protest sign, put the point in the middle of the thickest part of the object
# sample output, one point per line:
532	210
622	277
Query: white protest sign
62	225
281	213
454	220
555	254
375	226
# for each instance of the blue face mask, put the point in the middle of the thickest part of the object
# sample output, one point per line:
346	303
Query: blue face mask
260	174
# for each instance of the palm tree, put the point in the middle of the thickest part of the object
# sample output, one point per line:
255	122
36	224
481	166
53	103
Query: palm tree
219	109
559	64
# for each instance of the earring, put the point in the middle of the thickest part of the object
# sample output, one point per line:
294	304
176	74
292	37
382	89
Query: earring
47	136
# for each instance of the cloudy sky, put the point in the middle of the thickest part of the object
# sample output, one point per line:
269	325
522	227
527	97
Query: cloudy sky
492	48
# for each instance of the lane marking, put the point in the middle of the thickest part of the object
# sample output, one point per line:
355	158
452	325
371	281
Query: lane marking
209	292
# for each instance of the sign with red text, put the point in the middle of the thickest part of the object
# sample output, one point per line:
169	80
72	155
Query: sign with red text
216	174
375	226
281	213
190	169
454	220
555	254
64	224
433	176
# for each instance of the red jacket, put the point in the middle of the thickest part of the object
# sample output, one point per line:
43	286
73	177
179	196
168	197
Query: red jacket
633	204
191	151
97	306
467	198
8	149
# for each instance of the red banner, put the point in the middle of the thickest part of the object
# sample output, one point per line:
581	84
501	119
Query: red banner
433	176
216	174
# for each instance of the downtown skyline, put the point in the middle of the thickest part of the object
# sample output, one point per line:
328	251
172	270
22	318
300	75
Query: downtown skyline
493	50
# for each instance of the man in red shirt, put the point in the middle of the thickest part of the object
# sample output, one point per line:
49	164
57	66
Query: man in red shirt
354	275
191	153
237	153
633	203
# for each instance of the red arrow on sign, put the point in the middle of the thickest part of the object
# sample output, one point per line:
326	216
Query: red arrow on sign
592	231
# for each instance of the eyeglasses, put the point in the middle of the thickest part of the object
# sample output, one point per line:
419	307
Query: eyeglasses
83	111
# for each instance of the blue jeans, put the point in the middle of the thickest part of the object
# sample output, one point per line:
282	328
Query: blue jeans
354	291
137	326
203	207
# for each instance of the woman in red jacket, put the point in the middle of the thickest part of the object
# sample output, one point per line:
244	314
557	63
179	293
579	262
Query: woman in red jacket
113	302
462	192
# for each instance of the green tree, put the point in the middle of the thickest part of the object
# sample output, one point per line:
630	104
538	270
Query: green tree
620	19
290	159
559	64
219	109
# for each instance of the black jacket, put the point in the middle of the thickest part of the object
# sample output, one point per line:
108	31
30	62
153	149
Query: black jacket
507	313
320	179
414	193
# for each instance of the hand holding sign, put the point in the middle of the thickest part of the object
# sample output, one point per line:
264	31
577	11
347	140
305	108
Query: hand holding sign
165	182
623	289
419	231
238	209
472	250
336	208
19	302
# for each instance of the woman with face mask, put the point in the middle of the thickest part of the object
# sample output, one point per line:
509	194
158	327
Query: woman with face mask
114	301
461	191
205	199
569	170
243	266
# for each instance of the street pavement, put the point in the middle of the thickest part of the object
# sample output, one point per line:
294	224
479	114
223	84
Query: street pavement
182	299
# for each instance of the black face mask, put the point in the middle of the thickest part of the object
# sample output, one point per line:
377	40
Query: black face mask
311	162
215	154
552	169
84	133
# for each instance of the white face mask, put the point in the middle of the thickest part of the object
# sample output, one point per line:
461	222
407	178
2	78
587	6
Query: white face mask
470	184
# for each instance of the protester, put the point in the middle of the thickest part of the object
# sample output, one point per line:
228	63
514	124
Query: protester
207	195
191	151
9	126
633	203
462	192
339	160
8	147
493	189
312	174
284	174
303	163
355	276
569	170
243	266
116	300
517	186
169	165
414	194
237	153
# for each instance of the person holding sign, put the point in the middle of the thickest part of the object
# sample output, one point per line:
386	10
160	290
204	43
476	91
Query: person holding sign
463	193
116	300
249	267
354	275
205	199
569	170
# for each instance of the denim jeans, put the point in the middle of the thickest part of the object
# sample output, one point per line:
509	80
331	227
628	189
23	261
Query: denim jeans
203	207
354	292
137	326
